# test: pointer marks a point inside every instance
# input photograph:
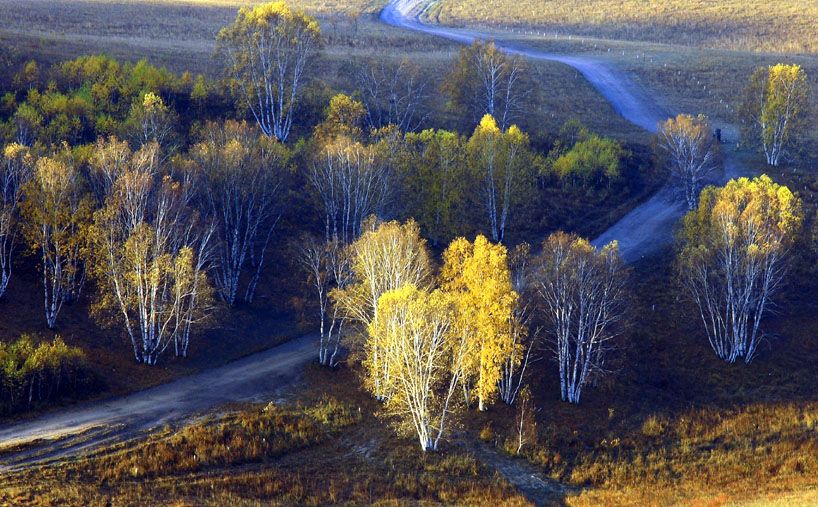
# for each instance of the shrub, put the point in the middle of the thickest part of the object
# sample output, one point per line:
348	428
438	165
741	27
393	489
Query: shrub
31	374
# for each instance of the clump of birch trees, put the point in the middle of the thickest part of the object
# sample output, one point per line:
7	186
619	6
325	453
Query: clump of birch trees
733	259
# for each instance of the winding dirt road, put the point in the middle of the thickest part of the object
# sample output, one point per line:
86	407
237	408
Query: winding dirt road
80	429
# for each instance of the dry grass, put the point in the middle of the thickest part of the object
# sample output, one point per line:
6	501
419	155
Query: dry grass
704	454
784	26
180	34
318	451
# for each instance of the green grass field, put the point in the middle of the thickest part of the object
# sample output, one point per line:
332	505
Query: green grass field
785	26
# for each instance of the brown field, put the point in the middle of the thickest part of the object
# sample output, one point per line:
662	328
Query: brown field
783	26
179	33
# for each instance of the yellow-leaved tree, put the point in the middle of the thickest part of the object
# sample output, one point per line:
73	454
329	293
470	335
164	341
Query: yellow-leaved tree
15	170
267	49
426	357
386	257
502	165
149	253
732	258
56	212
477	276
774	108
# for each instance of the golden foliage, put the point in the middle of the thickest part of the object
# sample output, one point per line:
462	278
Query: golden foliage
733	258
386	257
413	327
477	276
774	109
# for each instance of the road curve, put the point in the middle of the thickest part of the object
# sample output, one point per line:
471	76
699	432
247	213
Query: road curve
631	102
648	227
72	431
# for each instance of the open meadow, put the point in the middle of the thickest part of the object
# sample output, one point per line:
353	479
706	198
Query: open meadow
785	26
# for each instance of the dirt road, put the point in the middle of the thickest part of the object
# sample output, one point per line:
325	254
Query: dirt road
69	432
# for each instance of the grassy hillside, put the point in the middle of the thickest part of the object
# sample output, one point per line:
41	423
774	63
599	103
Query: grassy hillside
785	26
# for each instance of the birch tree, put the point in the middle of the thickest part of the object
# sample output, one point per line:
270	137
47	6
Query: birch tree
732	259
151	120
501	163
434	175
477	276
351	184
386	257
392	94
243	183
581	292
525	425
267	49
327	268
691	151
523	333
110	158
16	169
427	363
149	255
486	80
56	212
775	108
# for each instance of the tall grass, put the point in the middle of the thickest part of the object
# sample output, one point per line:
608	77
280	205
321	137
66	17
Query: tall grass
703	454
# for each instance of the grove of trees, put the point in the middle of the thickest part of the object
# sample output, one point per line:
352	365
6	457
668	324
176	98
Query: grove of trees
154	198
733	259
419	340
31	374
